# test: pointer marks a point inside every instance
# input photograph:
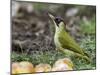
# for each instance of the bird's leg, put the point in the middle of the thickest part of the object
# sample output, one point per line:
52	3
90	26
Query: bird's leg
66	52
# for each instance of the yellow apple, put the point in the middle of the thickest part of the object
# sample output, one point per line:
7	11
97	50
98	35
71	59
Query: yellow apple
43	68
25	67
15	65
63	64
22	67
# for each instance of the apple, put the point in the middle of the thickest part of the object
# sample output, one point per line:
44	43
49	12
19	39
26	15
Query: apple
25	67
43	68
62	65
22	67
15	65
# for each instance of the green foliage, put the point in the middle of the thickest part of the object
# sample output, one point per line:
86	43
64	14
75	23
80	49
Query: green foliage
17	57
88	27
38	57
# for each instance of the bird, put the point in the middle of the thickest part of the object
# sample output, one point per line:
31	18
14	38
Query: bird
64	42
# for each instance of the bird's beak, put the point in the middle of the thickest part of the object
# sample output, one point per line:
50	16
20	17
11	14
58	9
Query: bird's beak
51	16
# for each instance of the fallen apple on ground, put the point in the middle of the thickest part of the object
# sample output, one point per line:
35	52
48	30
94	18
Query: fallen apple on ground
43	68
15	66
22	67
27	67
62	65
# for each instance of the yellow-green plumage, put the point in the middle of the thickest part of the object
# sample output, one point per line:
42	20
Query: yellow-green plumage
64	42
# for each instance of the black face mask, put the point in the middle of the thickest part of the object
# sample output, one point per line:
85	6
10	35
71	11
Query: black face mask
58	20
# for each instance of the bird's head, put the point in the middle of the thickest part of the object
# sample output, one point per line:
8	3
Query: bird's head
58	22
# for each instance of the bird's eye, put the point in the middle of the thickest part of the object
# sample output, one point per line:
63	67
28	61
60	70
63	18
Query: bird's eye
58	20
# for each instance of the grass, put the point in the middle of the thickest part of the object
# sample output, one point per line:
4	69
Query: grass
38	57
88	27
50	56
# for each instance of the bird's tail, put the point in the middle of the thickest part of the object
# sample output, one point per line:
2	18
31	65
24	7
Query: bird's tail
86	54
69	53
86	57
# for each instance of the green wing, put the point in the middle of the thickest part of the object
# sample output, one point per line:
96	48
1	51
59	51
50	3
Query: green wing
67	42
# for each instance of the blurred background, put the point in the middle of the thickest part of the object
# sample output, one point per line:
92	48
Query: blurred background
33	31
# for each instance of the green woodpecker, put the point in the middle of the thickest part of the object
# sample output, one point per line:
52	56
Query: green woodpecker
64	42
